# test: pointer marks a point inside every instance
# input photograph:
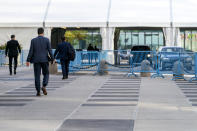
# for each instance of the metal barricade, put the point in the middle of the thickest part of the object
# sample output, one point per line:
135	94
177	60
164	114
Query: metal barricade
143	62
116	60
193	70
84	61
23	57
2	58
159	63
176	63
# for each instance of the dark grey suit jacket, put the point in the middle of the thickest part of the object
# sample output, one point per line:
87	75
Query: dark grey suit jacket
40	50
62	51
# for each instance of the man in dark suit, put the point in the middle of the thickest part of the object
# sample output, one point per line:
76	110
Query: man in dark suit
12	50
62	51
38	55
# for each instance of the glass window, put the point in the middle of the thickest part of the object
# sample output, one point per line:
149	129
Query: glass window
128	40
121	42
161	39
148	37
153	38
141	38
189	39
194	40
135	38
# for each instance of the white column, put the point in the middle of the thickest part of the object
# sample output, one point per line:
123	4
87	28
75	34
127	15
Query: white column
107	34
168	34
172	36
177	37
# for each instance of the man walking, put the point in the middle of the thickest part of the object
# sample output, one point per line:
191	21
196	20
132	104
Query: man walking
12	50
38	55
63	54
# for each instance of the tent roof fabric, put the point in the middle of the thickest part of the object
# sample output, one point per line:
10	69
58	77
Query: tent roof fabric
22	13
184	13
77	13
151	13
98	13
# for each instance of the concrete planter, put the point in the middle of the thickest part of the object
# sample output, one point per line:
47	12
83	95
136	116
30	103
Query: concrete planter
102	68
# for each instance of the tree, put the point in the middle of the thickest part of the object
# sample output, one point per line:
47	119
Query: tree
73	36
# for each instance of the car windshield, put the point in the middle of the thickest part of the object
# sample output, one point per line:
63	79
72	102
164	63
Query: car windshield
172	50
140	48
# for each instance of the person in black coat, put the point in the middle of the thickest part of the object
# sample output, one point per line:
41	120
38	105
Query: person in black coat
62	53
12	50
90	50
38	55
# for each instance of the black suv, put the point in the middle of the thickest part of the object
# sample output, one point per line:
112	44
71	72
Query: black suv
140	53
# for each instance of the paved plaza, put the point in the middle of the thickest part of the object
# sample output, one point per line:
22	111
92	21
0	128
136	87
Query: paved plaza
89	102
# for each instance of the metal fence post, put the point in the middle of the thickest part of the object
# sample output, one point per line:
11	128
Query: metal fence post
22	55
131	73
157	64
98	66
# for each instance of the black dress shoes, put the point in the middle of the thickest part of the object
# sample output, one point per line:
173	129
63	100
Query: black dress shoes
64	77
44	90
38	94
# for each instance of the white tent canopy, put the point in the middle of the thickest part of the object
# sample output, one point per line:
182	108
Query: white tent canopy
140	13
97	13
22	17
77	13
22	13
184	13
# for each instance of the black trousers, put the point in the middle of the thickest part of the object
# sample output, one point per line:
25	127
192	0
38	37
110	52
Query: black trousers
38	67
15	62
65	67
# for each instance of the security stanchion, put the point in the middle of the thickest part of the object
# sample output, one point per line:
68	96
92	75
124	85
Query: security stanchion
179	73
131	73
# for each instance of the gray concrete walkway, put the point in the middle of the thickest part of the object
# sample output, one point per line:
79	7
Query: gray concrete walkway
97	103
163	107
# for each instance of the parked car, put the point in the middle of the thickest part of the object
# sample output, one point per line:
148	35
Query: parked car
140	53
169	55
124	54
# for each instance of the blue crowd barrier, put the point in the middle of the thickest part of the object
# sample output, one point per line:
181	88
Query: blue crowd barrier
84	61
176	63
132	62
22	58
143	61
2	57
194	69
115	60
